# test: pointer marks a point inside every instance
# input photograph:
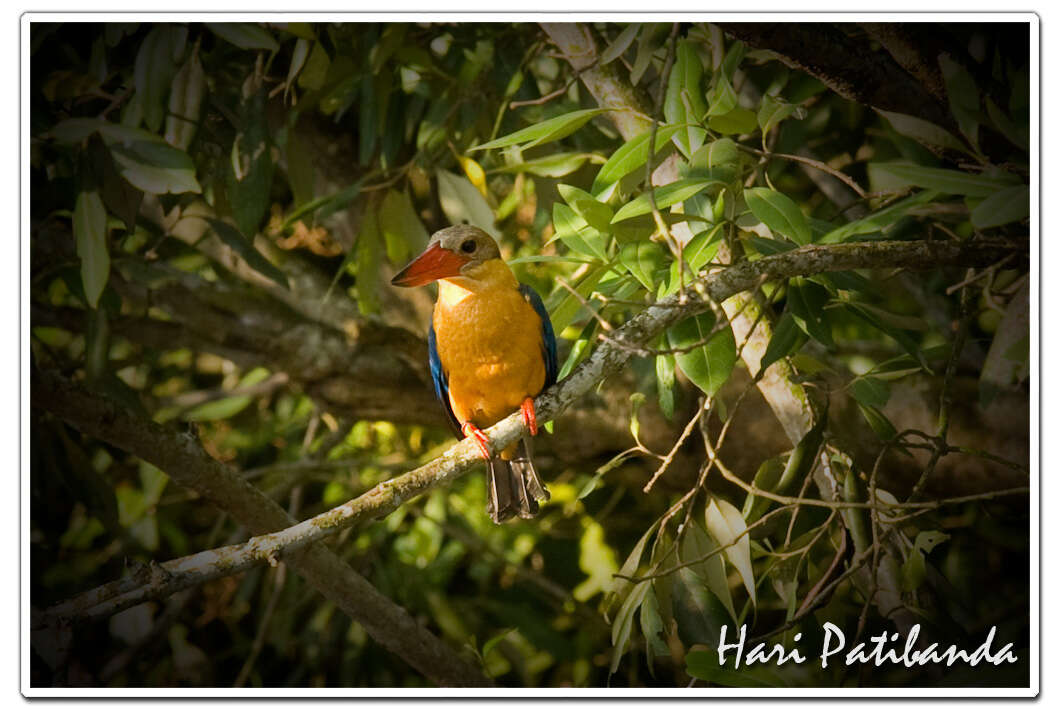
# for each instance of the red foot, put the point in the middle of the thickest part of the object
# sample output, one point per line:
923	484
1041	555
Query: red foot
483	441
530	415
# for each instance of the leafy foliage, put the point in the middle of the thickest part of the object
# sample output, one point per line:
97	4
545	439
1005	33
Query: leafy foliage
206	195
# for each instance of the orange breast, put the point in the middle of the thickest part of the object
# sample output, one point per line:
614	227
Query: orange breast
489	343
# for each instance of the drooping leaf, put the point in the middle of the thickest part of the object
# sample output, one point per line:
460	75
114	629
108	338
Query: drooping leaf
683	104
870	391
121	199
248	177
463	203
620	44
664	378
245	35
369	255
806	301
185	102
245	248
785	340
698	612
699	551
90	233
402	229
1004	206
154	69
727	526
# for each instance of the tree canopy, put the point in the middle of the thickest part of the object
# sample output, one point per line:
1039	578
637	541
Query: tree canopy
787	265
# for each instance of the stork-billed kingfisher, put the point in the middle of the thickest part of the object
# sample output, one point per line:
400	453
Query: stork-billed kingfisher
492	350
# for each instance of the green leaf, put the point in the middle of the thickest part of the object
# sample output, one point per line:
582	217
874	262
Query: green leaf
402	229
576	234
554	166
665	196
369	255
597	214
717	153
707	365
878	422
463	203
314	75
664	378
773	111
651	625
963	97
630	156
156	167
698	612
699	553
908	343
786	337
227	407
185	102
121	199
879	220
622	586
704	666
245	35
90	233
806	301
778	212
551	130
621	43
569	307
726	525
1009	205
721	98
154	69
949	182
870	391
734	123
643	258
683	104
696	254
623	626
248	178
766	479
245	248
922	131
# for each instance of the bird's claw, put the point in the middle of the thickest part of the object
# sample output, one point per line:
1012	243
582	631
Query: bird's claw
530	415
469	430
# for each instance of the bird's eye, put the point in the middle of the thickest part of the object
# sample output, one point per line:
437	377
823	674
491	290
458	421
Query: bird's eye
468	247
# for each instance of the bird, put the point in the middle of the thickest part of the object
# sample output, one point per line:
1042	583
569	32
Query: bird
491	352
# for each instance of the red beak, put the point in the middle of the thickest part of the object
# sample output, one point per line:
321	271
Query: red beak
433	264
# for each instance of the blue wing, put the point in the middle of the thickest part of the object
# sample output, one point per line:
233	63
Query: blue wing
441	380
548	338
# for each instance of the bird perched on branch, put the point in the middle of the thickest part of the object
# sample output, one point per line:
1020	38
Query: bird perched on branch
492	350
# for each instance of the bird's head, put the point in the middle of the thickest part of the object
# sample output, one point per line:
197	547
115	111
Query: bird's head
453	252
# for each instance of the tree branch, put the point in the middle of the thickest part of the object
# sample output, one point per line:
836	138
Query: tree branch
181	456
848	67
171	450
